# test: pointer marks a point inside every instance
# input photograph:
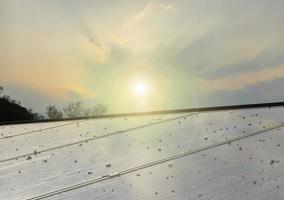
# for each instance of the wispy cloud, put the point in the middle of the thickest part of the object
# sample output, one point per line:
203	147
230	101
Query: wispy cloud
101	51
150	7
240	81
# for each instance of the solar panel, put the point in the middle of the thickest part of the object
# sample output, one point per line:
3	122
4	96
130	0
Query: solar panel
19	129
232	154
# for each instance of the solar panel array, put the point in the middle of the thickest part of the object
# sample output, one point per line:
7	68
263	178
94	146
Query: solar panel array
209	155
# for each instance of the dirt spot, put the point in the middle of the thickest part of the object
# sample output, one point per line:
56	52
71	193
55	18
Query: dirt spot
29	158
170	165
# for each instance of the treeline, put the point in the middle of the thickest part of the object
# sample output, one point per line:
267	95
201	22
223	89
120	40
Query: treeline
12	110
75	109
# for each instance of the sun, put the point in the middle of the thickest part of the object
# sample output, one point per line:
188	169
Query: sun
140	89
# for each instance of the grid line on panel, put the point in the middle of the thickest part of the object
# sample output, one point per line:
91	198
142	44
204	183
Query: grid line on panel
96	138
39	130
150	164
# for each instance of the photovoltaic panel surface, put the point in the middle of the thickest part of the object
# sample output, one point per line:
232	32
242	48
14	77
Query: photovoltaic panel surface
209	155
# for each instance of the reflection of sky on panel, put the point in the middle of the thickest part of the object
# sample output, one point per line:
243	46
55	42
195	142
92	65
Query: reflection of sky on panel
70	165
76	131
222	173
15	129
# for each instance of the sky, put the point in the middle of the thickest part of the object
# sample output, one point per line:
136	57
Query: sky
185	53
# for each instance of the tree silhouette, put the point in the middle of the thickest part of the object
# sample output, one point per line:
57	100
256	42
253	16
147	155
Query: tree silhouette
74	109
53	113
11	110
36	115
99	109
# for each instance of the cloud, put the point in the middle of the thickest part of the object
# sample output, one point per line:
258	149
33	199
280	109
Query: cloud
146	9
100	51
149	8
241	81
268	91
260	61
166	6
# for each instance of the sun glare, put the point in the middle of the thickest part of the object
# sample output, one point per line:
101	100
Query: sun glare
140	89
